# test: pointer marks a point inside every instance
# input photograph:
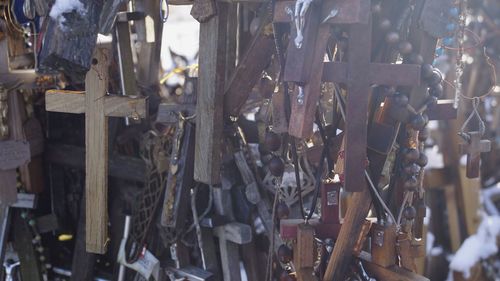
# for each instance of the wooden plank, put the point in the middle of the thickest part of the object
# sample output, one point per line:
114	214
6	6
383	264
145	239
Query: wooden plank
453	217
83	264
96	146
379	73
470	191
209	109
114	106
393	273
351	227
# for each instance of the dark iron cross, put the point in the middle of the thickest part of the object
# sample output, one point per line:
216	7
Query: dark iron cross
358	73
473	148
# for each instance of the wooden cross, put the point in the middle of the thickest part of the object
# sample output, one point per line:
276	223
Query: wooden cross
359	73
97	107
473	148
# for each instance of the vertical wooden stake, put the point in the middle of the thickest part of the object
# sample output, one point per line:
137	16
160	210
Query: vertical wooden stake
96	145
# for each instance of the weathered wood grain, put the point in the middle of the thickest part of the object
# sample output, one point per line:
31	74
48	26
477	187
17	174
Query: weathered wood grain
209	109
96	146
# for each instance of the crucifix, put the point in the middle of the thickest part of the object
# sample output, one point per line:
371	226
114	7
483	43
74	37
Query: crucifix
359	73
97	106
474	146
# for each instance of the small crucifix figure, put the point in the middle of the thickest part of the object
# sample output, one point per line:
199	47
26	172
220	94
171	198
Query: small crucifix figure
474	146
97	106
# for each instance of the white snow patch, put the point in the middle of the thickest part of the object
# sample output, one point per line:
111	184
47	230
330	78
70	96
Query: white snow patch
477	247
66	6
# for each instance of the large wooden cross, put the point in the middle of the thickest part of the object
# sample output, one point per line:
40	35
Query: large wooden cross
473	148
359	73
97	106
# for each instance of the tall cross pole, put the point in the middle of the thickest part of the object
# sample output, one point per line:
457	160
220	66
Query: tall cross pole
97	106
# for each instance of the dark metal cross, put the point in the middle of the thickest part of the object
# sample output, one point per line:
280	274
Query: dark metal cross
473	148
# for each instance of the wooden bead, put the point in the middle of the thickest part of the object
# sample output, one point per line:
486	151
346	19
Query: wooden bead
276	166
436	90
405	48
282	210
385	24
426	70
409	212
416	58
272	141
411	155
400	99
285	254
423	135
422	160
435	78
411	169
392	38
418	122
411	183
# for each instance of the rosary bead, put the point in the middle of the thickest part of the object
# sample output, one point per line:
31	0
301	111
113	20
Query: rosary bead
282	210
276	166
411	155
285	254
392	38
435	78
448	41
409	212
411	183
453	12
405	48
416	58
422	160
423	135
451	27
411	169
272	141
426	70
385	24
436	90
439	51
418	122
400	99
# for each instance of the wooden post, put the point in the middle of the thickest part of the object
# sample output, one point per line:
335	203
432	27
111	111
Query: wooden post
97	107
209	109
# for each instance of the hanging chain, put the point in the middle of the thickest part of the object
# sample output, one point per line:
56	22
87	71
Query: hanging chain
459	66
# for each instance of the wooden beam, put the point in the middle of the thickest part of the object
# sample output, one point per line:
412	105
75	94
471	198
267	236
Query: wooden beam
393	273
209	109
96	146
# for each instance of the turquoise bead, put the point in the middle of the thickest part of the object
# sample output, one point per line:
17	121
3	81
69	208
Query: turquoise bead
439	51
451	27
448	41
453	12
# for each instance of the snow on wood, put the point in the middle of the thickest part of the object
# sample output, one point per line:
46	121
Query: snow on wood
66	6
477	247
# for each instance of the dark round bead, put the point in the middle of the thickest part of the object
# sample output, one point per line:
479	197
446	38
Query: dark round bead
415	58
411	155
409	212
418	122
436	90
282	210
405	48
272	141
411	183
276	166
422	160
400	99
426	70
411	169
285	254
392	38
384	24
435	78
423	135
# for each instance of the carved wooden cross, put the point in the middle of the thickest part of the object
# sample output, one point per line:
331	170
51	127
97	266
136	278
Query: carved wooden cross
473	148
97	107
359	73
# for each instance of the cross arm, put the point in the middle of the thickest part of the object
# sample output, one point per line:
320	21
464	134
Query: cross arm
114	106
379	73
